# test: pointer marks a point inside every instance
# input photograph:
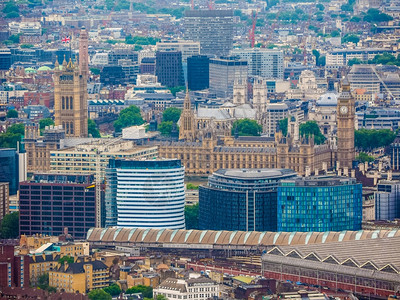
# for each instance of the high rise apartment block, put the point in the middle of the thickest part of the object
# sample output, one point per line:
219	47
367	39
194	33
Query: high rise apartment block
212	28
4	200
49	203
14	269
198	72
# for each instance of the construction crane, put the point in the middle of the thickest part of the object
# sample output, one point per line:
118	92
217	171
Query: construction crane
210	4
192	4
253	29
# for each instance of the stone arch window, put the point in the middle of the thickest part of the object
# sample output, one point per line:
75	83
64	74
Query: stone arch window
71	126
62	102
71	105
66	103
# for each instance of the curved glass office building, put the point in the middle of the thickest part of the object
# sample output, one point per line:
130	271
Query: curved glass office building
149	194
241	199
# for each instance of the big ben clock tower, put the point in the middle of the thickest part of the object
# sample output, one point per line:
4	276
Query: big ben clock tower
345	127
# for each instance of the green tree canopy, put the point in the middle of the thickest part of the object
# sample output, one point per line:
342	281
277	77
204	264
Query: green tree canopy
9	227
92	129
147	291
311	128
165	127
45	122
172	114
247	127
12	136
192	216
283	126
9	7
12	15
43	281
161	297
95	71
351	38
128	117
191	186
66	259
12	113
368	139
113	290
176	89
99	294
375	16
364	157
354	61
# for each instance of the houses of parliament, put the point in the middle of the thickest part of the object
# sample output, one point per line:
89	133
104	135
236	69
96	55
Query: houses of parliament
206	154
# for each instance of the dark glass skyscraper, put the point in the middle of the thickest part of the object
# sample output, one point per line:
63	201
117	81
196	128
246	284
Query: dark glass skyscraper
169	70
198	72
9	169
241	199
319	204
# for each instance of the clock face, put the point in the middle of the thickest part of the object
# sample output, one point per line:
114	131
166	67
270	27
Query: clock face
344	110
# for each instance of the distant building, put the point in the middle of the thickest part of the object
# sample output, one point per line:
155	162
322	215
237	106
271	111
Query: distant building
51	202
265	63
145	194
112	75
200	288
379	118
212	28
5	59
338	58
364	77
4	200
148	65
274	113
122	53
224	72
169	69
387	200
395	154
14	269
198	72
241	199
319	204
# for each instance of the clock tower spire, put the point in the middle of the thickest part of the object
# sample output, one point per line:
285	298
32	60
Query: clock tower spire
345	127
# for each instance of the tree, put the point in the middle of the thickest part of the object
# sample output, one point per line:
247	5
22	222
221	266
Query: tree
128	117
176	89
322	61
92	129
283	126
12	136
66	259
95	71
364	157
369	139
9	227
246	127
172	114
354	61
99	295
43	281
192	216
165	127
113	290
12	15
45	122
191	186
317	55
351	38
147	291
12	113
161	297
311	128
10	6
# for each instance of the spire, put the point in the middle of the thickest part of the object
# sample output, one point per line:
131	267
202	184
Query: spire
70	64
186	130
345	85
56	64
64	62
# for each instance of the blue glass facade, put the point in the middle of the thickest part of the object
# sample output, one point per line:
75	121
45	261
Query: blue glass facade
9	169
241	199
319	204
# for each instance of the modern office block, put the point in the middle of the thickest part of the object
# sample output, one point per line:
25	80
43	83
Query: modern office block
266	63
169	69
51	202
224	72
387	200
9	168
241	199
145	194
187	48
198	72
212	28
5	59
319	204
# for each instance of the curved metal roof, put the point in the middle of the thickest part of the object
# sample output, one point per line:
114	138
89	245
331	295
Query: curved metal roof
224	238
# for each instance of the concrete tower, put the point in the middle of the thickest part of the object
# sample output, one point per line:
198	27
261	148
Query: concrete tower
187	130
70	99
345	127
83	53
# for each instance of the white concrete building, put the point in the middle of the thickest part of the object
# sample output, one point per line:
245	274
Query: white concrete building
199	288
188	48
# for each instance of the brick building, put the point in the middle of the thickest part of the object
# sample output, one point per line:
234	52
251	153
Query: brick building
14	269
